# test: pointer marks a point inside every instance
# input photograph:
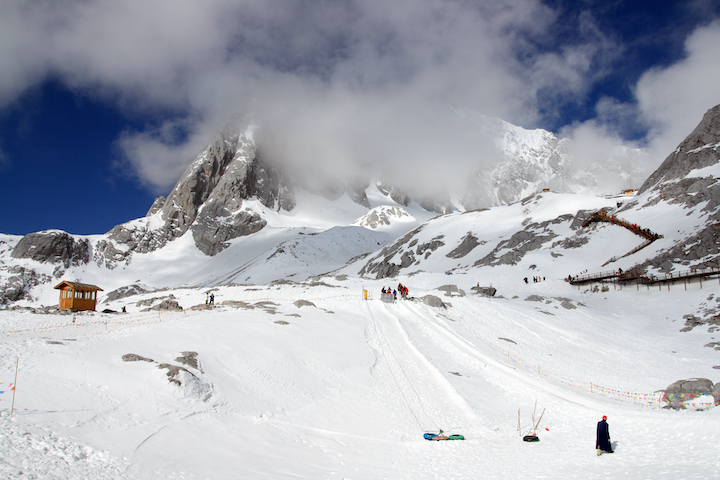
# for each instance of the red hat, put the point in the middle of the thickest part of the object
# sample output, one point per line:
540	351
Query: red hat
604	417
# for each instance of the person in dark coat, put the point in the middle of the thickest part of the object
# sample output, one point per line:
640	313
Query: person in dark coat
602	441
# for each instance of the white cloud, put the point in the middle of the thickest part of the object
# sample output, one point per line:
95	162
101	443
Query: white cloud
342	83
670	101
673	100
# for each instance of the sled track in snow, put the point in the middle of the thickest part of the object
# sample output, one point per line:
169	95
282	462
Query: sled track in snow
424	387
408	392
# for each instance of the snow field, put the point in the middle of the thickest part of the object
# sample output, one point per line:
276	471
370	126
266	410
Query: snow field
345	389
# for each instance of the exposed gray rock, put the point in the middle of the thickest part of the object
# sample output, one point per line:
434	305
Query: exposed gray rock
396	194
580	218
468	243
173	372
123	240
18	284
433	301
303	303
533	237
691	321
190	359
122	292
156	206
484	291
215	225
440	204
566	303
698	150
693	386
382	266
672	183
209	195
53	246
133	357
535	298
356	191
167	304
429	247
576	241
451	290
381	216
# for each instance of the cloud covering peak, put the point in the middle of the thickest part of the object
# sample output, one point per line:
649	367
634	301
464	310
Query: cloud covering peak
351	84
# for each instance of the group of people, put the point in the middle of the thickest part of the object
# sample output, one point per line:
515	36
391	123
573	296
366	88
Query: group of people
400	288
535	279
646	232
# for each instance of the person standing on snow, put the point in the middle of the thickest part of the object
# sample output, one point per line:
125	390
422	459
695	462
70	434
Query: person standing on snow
602	441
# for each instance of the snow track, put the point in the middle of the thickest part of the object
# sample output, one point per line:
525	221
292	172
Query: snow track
430	399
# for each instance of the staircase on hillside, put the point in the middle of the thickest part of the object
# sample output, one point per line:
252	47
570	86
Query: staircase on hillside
646	233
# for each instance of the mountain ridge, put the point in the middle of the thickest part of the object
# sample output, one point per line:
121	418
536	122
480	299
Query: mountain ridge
231	193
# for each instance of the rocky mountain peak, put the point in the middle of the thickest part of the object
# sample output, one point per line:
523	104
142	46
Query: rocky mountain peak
699	149
685	181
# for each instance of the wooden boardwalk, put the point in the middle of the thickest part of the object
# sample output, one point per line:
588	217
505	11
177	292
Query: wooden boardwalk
646	233
617	276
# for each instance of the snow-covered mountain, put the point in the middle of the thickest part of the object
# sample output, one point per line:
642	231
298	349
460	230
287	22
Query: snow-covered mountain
299	370
234	209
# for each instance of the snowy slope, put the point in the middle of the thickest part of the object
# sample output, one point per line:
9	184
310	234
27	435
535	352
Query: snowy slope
341	387
345	388
293	374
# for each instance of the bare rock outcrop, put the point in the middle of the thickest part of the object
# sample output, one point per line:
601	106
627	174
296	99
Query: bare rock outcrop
681	180
53	246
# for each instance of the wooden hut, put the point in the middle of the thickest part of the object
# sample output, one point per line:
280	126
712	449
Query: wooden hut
77	296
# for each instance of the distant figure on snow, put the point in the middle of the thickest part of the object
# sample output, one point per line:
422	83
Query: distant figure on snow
602	441
212	299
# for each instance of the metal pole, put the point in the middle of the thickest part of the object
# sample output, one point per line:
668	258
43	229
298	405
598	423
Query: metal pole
12	408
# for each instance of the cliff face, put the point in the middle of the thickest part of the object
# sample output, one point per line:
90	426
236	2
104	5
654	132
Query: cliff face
689	178
699	149
208	198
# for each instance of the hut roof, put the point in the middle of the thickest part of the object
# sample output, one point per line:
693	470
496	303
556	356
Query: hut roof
77	285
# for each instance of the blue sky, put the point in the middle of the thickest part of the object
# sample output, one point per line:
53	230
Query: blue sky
103	104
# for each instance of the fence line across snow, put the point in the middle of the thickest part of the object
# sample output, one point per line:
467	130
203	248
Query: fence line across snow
83	322
655	399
